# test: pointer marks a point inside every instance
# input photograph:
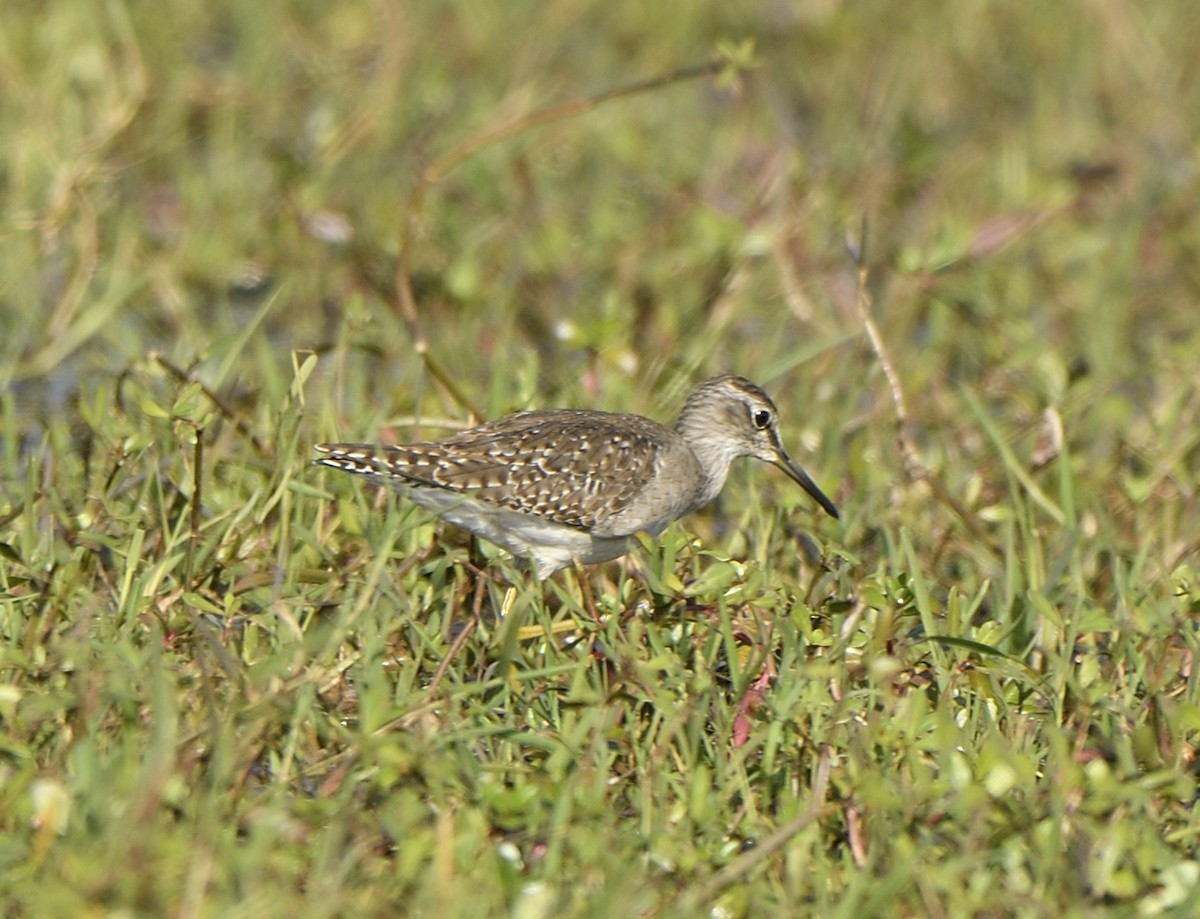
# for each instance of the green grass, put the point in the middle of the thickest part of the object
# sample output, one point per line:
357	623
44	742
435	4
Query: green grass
234	684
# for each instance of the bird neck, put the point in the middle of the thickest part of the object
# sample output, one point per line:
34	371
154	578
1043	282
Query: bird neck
714	454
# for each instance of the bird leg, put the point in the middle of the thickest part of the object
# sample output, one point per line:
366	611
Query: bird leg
585	591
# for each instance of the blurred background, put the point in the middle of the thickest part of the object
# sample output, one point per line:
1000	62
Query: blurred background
1028	178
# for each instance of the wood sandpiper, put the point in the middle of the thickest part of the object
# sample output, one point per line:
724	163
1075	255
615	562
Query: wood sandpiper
563	486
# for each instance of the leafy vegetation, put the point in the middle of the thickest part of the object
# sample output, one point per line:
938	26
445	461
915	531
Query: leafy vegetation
958	243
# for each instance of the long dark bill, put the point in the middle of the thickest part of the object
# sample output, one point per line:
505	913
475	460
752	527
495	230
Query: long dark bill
800	477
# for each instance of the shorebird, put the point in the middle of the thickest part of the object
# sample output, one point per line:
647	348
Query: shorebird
561	486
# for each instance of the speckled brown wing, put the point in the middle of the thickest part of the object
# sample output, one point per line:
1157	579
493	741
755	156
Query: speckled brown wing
572	467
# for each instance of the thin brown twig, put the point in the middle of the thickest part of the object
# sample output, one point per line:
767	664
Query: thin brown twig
481	579
694	901
228	413
914	467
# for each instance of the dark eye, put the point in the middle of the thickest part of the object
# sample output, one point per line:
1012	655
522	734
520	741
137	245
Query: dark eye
761	419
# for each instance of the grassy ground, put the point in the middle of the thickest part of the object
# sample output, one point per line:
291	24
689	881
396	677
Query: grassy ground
232	684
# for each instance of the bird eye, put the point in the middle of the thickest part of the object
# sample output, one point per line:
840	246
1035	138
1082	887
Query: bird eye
761	419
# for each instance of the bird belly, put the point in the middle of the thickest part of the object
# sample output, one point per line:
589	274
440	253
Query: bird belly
548	544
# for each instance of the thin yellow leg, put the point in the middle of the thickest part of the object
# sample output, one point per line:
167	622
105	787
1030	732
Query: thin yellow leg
585	591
